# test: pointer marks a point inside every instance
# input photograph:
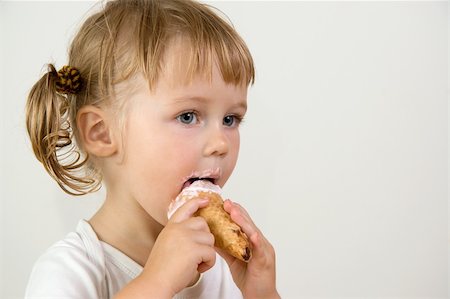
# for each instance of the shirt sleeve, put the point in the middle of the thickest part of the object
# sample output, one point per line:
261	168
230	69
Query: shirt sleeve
66	272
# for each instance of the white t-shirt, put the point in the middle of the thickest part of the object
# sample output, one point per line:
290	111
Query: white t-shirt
82	266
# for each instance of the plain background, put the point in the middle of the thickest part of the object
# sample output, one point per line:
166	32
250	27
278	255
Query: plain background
344	158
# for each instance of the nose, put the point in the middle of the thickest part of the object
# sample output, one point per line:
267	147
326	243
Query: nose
217	143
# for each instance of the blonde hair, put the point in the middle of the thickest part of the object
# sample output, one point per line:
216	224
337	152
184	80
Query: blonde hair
125	38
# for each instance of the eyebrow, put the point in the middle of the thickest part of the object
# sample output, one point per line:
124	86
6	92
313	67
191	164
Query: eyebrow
240	104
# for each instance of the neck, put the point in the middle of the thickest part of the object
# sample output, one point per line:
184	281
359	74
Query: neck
126	226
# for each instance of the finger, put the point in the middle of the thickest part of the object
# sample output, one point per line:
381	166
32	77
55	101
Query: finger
255	239
188	209
230	206
241	217
263	252
208	259
197	223
260	246
237	205
204	238
260	243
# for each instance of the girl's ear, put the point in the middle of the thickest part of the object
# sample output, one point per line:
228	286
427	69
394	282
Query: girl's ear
96	131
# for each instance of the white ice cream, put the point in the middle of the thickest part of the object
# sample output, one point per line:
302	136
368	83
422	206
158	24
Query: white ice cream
192	192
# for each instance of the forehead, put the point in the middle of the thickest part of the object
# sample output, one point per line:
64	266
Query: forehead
181	76
174	86
179	66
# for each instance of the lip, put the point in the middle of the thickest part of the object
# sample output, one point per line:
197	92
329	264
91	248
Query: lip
212	173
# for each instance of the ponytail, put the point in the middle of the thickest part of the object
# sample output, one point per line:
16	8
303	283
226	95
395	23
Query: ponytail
48	125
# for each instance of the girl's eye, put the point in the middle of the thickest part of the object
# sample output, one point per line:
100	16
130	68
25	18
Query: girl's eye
231	120
187	118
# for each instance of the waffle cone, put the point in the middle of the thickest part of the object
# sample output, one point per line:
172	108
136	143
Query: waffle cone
227	234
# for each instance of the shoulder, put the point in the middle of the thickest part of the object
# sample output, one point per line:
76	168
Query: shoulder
71	268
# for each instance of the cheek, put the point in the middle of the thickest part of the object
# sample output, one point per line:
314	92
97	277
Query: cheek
233	150
235	142
159	163
148	167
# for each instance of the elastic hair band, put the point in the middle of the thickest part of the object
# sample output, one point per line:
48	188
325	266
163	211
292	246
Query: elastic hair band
69	80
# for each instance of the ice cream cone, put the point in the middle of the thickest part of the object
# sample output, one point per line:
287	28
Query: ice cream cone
228	235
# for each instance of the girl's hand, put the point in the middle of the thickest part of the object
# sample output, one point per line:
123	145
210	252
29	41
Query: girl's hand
183	249
255	279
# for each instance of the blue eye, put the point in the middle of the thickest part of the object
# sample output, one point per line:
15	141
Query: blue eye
231	120
187	118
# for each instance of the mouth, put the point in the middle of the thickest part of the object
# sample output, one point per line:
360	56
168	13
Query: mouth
209	175
192	180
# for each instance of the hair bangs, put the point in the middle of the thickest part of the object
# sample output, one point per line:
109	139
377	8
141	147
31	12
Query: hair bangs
234	62
203	38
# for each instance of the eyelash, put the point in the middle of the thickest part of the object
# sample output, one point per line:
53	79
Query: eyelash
238	119
179	117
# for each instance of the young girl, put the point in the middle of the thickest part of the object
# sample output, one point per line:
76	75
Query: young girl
152	96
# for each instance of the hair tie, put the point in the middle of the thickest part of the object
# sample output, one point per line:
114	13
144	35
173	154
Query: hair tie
69	80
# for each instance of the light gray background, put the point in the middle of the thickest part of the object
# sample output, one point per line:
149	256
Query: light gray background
344	160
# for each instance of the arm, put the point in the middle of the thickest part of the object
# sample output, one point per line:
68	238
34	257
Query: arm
257	278
143	287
